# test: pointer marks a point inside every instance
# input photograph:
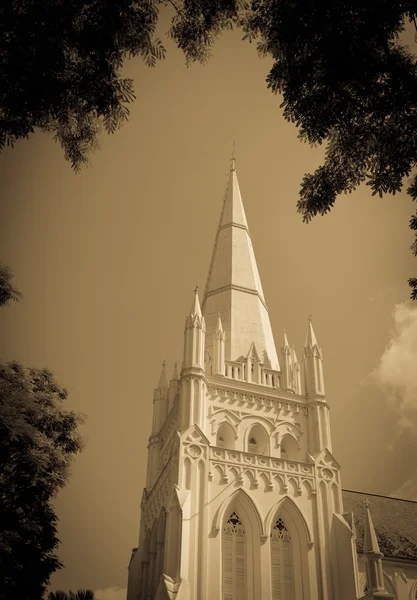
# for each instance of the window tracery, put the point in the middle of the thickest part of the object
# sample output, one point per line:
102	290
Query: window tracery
282	567
234	559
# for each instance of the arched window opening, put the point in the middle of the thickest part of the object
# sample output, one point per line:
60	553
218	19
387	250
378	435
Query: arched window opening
258	440
282	566
234	559
253	446
225	436
289	448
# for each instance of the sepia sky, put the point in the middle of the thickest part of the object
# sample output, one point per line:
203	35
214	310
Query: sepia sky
107	261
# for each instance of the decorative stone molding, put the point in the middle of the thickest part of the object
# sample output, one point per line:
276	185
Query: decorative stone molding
248	401
327	474
194	451
272	471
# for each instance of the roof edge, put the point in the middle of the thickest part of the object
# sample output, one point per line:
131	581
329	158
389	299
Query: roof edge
379	496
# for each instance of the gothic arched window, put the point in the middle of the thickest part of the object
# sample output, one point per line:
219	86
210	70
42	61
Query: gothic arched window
225	436
289	448
234	559
282	567
258	440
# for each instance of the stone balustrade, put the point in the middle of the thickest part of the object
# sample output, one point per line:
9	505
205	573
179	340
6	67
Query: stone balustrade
255	373
257	467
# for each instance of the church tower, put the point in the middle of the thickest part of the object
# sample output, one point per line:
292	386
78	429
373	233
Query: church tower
243	496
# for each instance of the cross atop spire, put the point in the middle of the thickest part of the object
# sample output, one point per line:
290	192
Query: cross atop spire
162	383
233	159
195	308
311	340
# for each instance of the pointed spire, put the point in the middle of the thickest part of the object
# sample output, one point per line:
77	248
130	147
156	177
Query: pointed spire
219	324
233	279
195	308
163	383
311	340
374	570
370	543
175	373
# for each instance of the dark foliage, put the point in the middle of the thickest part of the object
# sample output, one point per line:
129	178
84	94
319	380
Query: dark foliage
345	77
79	595
38	438
344	74
7	291
60	66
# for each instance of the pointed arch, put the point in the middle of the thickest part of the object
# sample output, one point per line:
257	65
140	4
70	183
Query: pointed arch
289	445
282	562
280	481
236	474
266	483
253	420
258	440
241	530
249	505
308	487
250	477
293	485
287	506
285	427
220	473
226	435
335	498
293	556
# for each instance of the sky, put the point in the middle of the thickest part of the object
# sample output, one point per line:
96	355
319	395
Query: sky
107	261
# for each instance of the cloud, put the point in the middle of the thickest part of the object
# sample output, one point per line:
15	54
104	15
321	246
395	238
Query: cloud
112	593
396	372
408	490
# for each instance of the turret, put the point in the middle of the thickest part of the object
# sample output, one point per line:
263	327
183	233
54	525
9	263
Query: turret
286	375
173	387
295	372
313	363
160	402
375	576
160	411
194	342
219	338
192	399
318	410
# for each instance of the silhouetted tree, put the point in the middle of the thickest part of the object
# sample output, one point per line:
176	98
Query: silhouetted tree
60	67
7	291
345	77
79	595
344	74
38	439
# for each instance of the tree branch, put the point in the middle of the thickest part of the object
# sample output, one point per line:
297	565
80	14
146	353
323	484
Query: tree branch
170	2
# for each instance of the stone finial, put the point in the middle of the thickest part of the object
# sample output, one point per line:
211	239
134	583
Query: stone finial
233	160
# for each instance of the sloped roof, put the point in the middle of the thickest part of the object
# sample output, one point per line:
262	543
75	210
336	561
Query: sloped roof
395	522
